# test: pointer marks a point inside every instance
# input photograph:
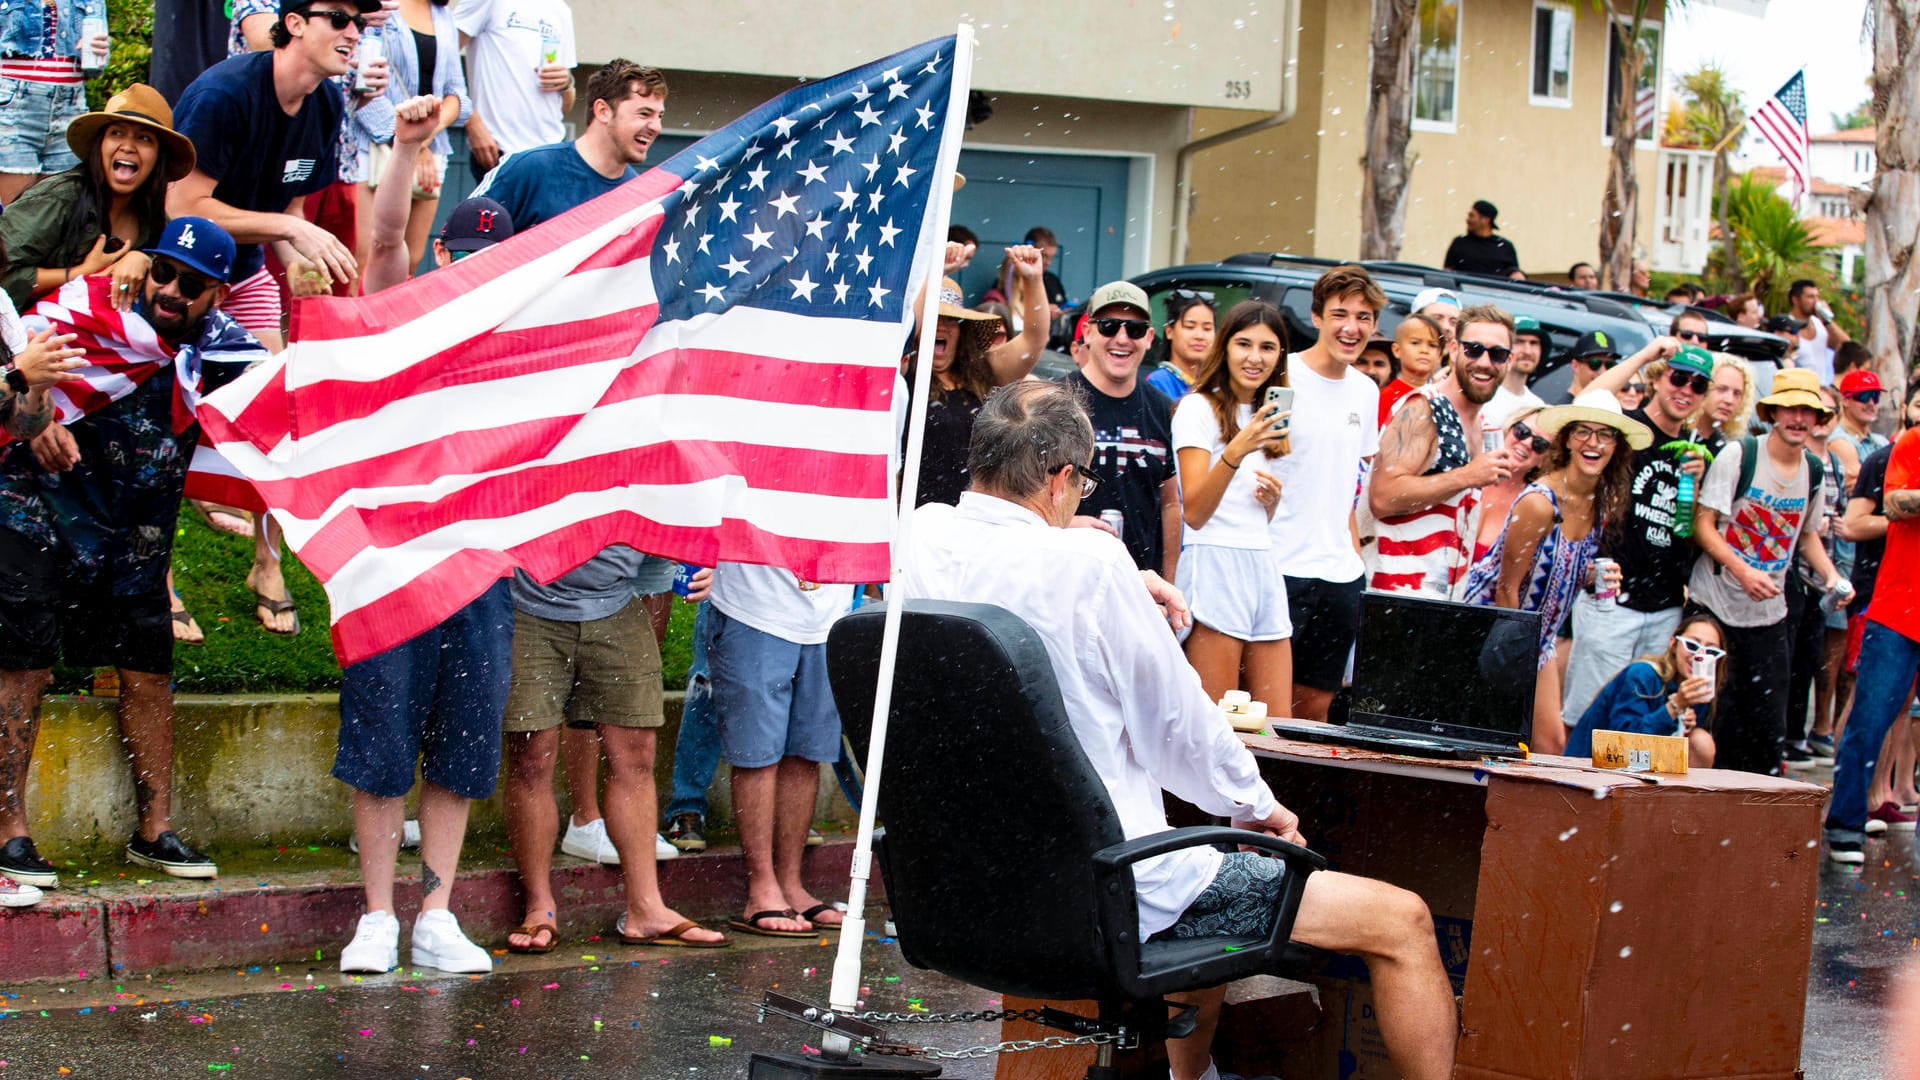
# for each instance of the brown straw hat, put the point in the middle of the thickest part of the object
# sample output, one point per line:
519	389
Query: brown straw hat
137	104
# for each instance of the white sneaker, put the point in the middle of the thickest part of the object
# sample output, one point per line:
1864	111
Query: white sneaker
589	842
409	837
662	851
14	894
375	948
438	943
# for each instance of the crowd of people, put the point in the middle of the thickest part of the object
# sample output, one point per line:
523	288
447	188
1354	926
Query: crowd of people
1706	561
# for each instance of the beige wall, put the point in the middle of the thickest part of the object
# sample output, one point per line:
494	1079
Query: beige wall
1198	52
700	101
1298	187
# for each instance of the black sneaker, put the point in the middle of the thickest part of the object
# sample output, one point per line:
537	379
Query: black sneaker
1846	852
1798	758
685	832
21	861
167	854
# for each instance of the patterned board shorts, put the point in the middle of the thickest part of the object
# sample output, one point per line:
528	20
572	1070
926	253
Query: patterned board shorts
1240	900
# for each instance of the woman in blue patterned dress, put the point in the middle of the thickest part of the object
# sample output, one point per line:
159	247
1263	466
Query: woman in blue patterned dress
1545	553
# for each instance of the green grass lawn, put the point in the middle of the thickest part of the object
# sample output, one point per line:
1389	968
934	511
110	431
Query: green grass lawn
210	570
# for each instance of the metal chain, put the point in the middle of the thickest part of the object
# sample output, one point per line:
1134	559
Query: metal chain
1032	1016
1122	1042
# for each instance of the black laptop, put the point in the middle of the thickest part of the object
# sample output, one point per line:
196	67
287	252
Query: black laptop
1436	679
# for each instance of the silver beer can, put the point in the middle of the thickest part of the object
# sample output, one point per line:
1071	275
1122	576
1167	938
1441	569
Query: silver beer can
371	49
1603	593
1115	519
91	27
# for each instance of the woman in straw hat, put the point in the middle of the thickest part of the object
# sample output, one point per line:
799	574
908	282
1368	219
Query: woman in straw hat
1545	553
97	216
967	366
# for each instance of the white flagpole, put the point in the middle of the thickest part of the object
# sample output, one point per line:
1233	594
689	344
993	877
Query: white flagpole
844	992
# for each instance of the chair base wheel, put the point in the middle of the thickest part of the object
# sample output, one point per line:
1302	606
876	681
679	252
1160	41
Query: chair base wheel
795	1067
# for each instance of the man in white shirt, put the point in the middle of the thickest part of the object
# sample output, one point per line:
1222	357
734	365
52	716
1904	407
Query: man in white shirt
1819	335
1333	431
520	58
1529	343
1140	714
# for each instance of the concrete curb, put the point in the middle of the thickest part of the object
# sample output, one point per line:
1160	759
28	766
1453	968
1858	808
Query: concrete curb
79	937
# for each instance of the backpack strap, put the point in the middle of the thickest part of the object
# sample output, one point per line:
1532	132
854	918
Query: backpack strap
1749	459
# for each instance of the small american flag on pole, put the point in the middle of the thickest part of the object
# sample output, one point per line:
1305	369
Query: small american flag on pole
1782	121
700	363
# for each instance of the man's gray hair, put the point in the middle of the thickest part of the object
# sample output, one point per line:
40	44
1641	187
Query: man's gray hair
1024	433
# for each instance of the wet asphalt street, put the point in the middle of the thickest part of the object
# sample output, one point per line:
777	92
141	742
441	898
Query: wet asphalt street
597	1009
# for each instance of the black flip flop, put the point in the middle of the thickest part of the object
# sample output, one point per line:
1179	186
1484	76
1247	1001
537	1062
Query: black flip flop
812	916
751	924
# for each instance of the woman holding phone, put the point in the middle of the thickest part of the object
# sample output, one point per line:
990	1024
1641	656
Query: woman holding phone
1668	694
1223	433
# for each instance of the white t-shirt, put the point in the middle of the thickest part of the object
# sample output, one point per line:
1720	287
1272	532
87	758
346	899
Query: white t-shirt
1335	423
510	40
1239	521
1505	403
771	600
1815	353
14	334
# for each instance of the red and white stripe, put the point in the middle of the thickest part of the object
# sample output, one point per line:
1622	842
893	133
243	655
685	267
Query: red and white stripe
1646	101
525	408
64	71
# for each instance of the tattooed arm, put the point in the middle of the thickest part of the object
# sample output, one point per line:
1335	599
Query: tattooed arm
1903	505
26	415
1406	450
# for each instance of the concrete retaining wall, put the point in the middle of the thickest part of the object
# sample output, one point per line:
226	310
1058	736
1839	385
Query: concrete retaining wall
251	771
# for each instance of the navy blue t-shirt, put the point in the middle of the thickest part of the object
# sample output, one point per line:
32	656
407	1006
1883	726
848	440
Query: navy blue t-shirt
542	183
260	158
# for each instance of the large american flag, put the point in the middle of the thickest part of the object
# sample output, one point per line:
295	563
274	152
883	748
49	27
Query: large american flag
700	363
1782	121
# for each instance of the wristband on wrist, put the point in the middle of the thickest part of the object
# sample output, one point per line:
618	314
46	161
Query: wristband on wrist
15	378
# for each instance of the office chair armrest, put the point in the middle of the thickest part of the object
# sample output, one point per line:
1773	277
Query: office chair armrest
1124	854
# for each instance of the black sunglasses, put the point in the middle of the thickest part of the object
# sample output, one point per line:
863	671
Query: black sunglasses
339	20
1867	397
1600	360
1532	438
1135	328
1691	335
1681	380
163	271
1474	350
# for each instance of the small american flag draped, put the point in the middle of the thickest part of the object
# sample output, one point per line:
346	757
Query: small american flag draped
700	364
1782	121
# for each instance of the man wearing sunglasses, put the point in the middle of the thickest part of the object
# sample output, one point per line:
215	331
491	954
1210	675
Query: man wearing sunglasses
1594	353
1654	557
86	533
1132	429
1854	438
1425	487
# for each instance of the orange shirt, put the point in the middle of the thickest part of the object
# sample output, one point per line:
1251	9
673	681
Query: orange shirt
1896	596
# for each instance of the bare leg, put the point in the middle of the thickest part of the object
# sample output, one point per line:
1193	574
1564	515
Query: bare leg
377	821
265	577
1217	659
1309	703
1839	684
659	613
799	786
12	184
532	822
443	828
419	230
754	810
581	749
1391	930
1549	734
631	807
1900	781
19	727
1270	672
146	730
1188	1058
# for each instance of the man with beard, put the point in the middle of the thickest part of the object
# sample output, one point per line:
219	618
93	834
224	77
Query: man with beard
1751	520
1529	344
86	532
1654	559
1425	489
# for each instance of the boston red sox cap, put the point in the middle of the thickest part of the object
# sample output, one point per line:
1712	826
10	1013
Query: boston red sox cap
476	223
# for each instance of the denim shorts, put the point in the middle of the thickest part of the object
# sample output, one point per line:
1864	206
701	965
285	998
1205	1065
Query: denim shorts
770	694
431	703
33	126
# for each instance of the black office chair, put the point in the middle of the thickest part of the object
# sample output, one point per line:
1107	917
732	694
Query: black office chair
1002	855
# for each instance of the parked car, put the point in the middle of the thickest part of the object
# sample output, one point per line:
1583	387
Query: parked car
1286	281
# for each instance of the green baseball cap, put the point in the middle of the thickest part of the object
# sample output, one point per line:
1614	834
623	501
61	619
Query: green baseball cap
1692	359
1527	324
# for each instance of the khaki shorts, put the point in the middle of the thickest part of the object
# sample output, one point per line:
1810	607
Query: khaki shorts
602	672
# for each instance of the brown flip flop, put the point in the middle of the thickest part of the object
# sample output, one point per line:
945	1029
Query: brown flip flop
183	620
534	931
674	938
277	607
751	925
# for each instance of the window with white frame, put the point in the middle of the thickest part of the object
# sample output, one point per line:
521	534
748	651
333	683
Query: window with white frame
1646	90
1552	82
1436	65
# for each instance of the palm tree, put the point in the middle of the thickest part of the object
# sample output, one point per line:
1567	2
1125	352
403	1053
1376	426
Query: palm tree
1620	206
1772	242
1893	211
1386	171
1711	113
